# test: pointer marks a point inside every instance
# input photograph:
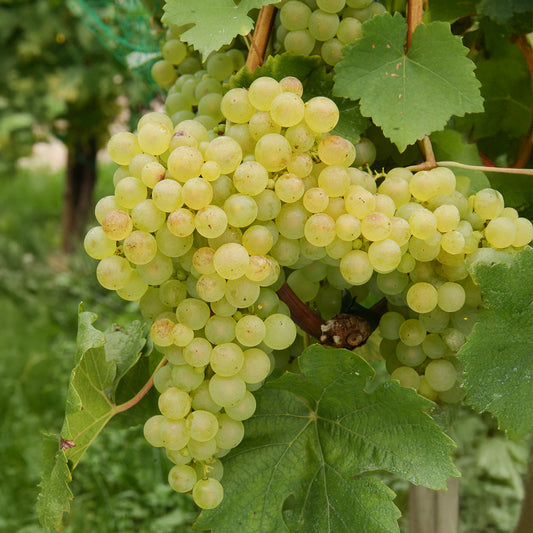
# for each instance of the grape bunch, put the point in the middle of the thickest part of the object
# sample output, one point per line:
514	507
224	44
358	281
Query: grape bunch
204	228
322	27
193	89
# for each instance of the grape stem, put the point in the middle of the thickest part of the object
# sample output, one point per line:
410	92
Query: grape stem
342	331
142	393
503	170
261	36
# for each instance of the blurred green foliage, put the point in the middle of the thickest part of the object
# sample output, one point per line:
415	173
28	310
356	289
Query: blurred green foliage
121	485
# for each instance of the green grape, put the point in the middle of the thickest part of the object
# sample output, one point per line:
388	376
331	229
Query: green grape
250	330
292	85
425	250
202	425
384	256
197	353
135	166
453	338
448	217
227	391
173	433
230	433
182	335
356	268
140	247
389	325
441	375
524	232
174	354
231	260
422	297
451	297
220	66
295	15
171	245
301	138
154	138
280	331
257	240
392	283
453	242
163	73
244	409
291	220
266	303
407	376
349	30
202	260
433	346
201	399
207	493
287	109
323	26
500	232
236	106
202	451
97	244
197	193
376	226
117	225
331	52
303	287
273	151
411	332
130	191
241	292
166	195
226	152
334	180
268	205
152	429
174	403
113	272
186	377
134	289
182	478
122	147
220	329
331	6
488	204
184	163
435	321
359	202
427	184
319	229
161	332
299	42
250	178
410	355
321	114
261	123
226	359
179	457
157	271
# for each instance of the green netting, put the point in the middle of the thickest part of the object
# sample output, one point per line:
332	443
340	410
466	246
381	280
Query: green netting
124	27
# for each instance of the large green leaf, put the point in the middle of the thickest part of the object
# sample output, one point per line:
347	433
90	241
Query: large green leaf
449	10
304	464
503	11
215	23
102	360
498	355
409	95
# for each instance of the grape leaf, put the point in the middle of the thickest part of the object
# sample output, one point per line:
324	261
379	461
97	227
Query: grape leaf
450	145
498	355
502	12
215	23
102	360
505	87
303	465
411	94
449	10
55	495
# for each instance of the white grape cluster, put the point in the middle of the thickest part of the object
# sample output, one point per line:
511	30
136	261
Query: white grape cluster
194	90
322	27
433	301
203	229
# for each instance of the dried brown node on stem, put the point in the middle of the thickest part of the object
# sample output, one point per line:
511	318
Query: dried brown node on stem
345	331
